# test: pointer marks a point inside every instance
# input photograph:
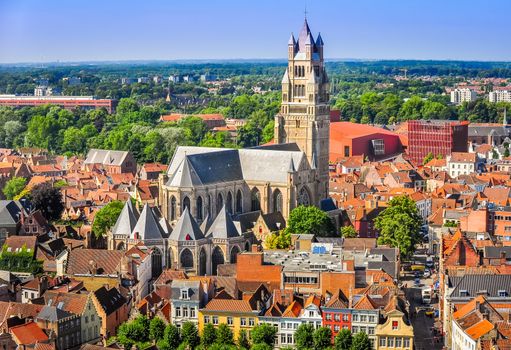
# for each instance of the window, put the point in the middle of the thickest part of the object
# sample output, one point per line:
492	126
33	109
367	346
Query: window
86	319
215	320
363	318
336	328
290	339
383	341
390	341
354	329
192	312
346	151
370	330
92	318
406	342
178	311
283	339
243	321
185	312
345	317
502	293
355	318
337	317
378	147
371	319
398	342
206	319
251	322
184	294
395	325
229	321
328	316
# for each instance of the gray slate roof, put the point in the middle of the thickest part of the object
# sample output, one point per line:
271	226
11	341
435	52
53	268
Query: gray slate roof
494	252
223	226
105	157
196	166
473	284
186	228
191	286
52	314
9	212
147	226
126	221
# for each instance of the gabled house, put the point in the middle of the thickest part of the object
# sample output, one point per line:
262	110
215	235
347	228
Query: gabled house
113	309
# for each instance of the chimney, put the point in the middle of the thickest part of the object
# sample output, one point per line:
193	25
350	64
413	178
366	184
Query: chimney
502	257
255	248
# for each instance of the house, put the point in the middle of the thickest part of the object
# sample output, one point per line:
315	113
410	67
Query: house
113	162
188	297
336	313
151	171
395	332
461	163
113	309
28	334
64	327
34	289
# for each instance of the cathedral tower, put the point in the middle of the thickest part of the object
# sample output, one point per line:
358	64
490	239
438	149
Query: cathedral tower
304	116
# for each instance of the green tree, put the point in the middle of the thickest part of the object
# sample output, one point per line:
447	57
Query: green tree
279	240
263	334
304	336
224	335
322	338
156	329
243	341
343	340
399	225
310	220
428	158
349	232
124	335
106	217
268	131
14	186
190	334
412	109
48	200
42	131
208	336
261	346
171	337
361	342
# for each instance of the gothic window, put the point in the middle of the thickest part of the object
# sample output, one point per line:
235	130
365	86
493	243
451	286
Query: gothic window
217	258
186	204
173	208
239	200
277	201
234	254
210	202
229	202
256	199
186	259
304	197
199	208
202	262
219	203
156	262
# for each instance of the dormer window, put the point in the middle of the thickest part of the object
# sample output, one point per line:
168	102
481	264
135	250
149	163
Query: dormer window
464	293
502	293
184	294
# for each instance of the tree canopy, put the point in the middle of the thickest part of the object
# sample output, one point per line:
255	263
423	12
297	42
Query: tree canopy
48	200
310	220
14	186
106	217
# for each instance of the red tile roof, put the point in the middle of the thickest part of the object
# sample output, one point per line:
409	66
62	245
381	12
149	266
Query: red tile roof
228	305
29	333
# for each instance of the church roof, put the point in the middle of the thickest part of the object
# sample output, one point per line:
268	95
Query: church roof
319	40
126	221
213	165
303	38
285	78
206	223
291	40
223	226
147	226
186	228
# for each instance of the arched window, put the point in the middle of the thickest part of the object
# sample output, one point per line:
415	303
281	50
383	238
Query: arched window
256	199
219	203
217	258
277	201
210	203
199	208
156	262
121	246
234	254
186	260
229	202
304	197
186	204
202	262
239	200
172	208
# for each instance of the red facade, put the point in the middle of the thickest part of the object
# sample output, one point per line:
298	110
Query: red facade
68	103
336	319
437	137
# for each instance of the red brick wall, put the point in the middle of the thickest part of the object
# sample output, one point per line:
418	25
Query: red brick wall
249	267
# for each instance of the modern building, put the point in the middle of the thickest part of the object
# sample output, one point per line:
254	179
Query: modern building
439	137
500	96
351	139
68	102
458	96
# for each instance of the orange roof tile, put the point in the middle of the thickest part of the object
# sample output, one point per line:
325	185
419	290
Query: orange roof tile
479	329
28	333
228	305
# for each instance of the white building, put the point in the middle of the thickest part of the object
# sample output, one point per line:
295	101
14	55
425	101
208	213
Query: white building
500	96
40	91
461	163
458	96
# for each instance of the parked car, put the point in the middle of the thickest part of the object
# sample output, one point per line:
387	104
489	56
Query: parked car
417	282
427	273
430	262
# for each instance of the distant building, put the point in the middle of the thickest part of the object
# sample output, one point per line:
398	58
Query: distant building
68	102
157	79
127	81
500	96
114	162
208	77
72	81
461	163
143	80
211	120
352	139
458	96
43	91
188	78
439	137
174	78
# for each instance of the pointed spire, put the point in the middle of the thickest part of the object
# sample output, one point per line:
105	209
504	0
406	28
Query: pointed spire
303	37
147	226
309	40
291	40
314	164
319	40
285	78
126	220
186	228
223	226
291	166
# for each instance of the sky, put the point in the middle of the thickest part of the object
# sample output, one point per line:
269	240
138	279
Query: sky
99	30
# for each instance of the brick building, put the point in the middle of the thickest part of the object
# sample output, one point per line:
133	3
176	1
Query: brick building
439	137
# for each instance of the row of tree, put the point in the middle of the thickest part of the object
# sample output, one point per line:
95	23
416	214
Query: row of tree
142	332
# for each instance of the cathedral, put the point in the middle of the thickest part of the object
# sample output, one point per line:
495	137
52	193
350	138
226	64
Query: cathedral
204	188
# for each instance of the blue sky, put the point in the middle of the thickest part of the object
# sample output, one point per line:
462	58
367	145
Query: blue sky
85	30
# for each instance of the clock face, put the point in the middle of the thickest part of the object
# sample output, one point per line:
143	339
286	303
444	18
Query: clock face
303	197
